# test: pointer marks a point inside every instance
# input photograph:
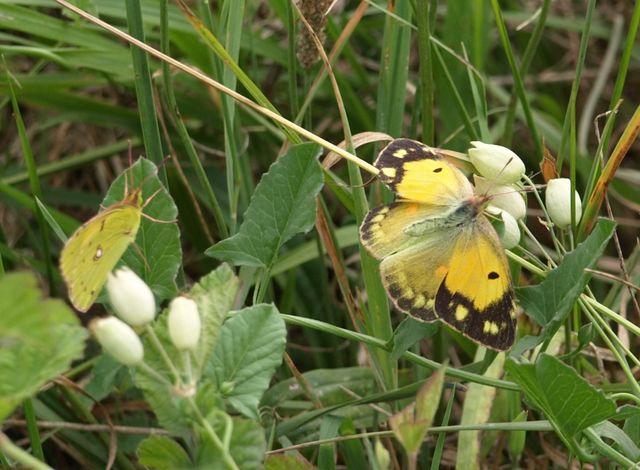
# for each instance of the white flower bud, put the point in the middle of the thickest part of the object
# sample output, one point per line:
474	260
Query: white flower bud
506	197
130	297
510	236
184	323
497	163
558	202
118	339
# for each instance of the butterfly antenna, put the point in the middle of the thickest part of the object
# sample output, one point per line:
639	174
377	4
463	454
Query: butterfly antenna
365	184
153	219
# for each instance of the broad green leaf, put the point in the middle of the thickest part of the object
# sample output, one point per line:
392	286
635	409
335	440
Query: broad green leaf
162	453
282	206
570	402
214	295
408	332
247	446
549	302
38	339
248	351
157	255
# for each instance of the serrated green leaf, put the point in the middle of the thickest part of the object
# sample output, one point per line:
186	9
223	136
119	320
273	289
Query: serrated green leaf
570	402
248	351
168	405
157	255
549	302
214	294
282	206
162	453
38	339
247	446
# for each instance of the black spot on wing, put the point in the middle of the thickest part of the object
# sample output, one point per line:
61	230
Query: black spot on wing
493	275
474	325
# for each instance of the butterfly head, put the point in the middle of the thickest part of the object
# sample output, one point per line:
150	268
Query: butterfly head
134	198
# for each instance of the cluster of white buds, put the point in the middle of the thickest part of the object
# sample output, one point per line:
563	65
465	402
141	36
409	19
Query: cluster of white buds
134	304
500	171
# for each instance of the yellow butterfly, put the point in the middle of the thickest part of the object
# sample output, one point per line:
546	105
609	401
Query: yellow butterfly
95	248
440	256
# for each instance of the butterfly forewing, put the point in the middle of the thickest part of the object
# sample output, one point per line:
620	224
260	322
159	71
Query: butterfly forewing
94	249
419	173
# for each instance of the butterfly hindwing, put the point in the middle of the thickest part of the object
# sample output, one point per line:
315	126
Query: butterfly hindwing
412	279
417	172
475	296
387	229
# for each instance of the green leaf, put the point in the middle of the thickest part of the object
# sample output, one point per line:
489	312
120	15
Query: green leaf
214	294
329	429
428	397
104	377
476	410
628	446
287	462
408	332
570	402
162	453
248	351
282	206
549	302
247	446
38	339
157	255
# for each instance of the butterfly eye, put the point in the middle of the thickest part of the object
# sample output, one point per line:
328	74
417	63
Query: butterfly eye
437	170
493	275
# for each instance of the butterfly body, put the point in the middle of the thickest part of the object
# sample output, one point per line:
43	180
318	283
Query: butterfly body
440	256
94	249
